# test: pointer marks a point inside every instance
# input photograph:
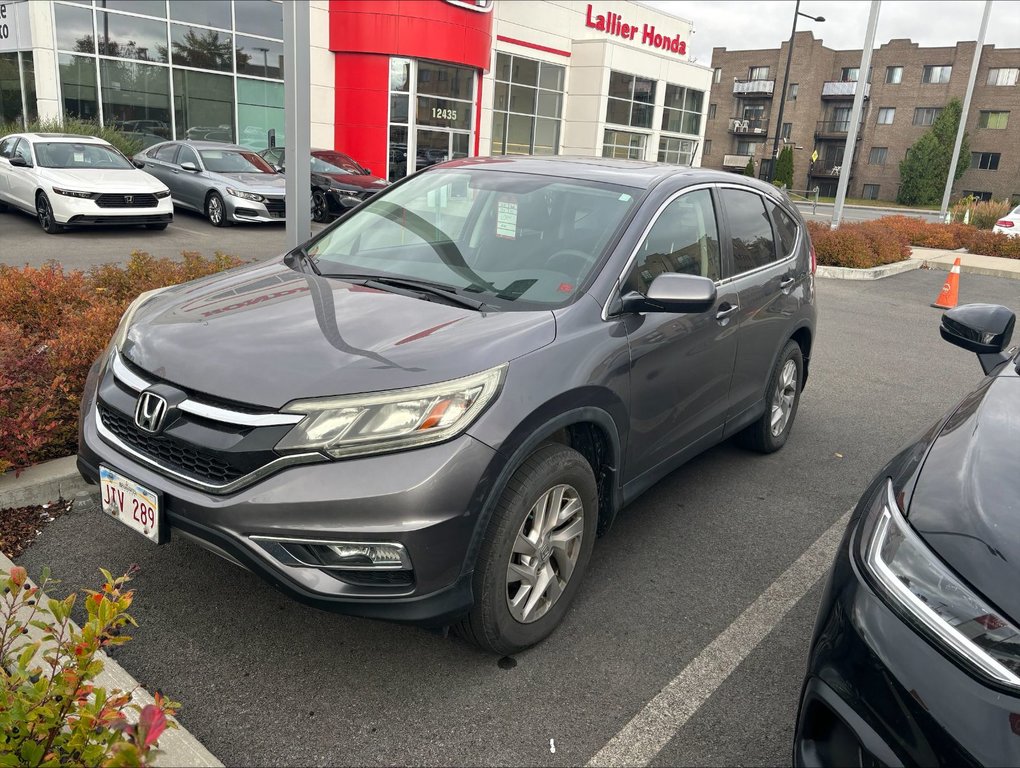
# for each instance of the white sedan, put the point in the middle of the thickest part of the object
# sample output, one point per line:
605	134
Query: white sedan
67	180
1009	224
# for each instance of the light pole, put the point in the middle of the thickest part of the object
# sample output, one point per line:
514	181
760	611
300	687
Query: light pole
782	93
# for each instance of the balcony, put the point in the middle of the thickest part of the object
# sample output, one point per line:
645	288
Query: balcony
834	89
826	169
736	161
741	126
752	88
832	129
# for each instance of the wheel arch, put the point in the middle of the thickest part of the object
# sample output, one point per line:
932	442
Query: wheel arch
804	336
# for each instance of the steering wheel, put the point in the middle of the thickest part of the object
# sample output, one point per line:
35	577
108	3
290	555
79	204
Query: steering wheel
569	261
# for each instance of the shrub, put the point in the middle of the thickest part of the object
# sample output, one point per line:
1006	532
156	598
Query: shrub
983	213
51	712
53	325
858	245
122	141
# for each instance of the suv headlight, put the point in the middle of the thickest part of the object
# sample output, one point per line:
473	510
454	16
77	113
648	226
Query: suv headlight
917	583
120	335
245	195
357	425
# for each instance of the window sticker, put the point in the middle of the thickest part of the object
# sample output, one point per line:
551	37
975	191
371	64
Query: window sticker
624	198
79	157
506	218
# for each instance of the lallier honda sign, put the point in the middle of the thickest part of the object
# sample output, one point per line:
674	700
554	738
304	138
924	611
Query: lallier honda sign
14	32
615	25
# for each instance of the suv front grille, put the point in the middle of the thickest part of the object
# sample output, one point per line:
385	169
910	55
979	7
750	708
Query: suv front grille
141	200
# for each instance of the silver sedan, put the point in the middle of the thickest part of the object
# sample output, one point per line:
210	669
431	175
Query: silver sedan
224	182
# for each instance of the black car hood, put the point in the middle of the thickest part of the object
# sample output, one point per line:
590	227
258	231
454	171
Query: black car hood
966	503
355	181
266	335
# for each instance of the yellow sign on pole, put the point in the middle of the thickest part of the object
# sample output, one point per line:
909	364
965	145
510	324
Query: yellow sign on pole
814	156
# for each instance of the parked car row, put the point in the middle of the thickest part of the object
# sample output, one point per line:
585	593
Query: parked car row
69	180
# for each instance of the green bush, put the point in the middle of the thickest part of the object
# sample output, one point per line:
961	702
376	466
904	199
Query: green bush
51	711
120	140
784	168
749	168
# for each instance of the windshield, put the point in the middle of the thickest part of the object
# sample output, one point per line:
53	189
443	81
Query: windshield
512	240
333	162
66	154
233	161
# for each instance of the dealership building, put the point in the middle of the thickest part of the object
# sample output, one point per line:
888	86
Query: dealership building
398	84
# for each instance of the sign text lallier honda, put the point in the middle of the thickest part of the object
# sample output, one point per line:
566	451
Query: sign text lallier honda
612	24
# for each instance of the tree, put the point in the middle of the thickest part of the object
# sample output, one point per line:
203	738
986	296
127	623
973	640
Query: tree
749	170
923	171
784	168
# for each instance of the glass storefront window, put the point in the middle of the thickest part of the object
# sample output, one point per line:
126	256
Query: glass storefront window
623	144
443	113
398	152
211	13
201	48
203	105
259	17
259	108
400	75
676	151
11	107
74	29
128	37
78	86
146	7
136	97
261	58
398	108
682	110
445	80
28	69
631	100
519	106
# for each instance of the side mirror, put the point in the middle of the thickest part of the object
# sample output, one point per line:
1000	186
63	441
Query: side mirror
187	165
277	168
138	163
673	292
366	172
19	162
984	329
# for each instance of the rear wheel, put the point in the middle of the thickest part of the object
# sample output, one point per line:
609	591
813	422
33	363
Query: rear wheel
771	431
44	212
535	552
216	211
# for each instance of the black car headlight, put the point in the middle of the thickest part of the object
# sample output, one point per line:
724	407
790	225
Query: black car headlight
163	194
925	590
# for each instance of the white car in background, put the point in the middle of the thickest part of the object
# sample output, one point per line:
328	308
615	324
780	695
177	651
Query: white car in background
66	180
1009	224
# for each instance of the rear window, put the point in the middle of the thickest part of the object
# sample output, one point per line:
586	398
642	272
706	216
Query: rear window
750	230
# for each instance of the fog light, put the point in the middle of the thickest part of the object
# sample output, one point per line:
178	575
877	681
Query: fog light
366	555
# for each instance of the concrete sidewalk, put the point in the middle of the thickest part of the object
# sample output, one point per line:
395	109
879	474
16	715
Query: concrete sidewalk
971	263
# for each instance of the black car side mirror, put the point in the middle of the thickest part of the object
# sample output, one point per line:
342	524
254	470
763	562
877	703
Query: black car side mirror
984	329
366	172
187	165
673	292
19	162
138	163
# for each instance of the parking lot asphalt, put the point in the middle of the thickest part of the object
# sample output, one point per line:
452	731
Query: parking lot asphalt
265	681
23	242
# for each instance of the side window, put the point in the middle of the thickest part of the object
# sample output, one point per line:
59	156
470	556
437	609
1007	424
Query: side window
166	153
7	146
23	150
188	155
785	226
274	156
750	230
684	239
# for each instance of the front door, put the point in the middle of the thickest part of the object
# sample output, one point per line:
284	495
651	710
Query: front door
432	146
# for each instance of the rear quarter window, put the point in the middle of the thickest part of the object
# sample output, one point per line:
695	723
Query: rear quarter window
750	230
786	227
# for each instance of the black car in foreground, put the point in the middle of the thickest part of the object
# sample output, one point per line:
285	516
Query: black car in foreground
430	410
916	653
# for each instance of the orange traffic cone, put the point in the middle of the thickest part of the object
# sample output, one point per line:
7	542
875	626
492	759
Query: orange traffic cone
951	289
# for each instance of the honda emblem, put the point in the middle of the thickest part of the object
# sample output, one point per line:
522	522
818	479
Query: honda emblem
150	413
129	199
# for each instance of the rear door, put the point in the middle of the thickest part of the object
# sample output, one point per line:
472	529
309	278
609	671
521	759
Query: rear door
160	163
764	271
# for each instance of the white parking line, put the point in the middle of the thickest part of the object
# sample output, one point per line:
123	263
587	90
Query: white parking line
650	730
175	225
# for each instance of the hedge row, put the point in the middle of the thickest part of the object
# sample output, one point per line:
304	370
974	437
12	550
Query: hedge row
887	240
53	325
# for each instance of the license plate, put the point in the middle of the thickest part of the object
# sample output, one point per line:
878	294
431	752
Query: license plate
133	504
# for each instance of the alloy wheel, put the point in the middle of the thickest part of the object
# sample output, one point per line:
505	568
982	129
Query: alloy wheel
42	209
215	210
782	400
544	553
318	207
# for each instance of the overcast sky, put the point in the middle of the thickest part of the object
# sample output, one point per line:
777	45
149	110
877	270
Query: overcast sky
747	24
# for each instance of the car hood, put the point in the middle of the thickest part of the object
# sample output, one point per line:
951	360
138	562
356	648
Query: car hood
262	183
355	181
966	502
114	181
266	335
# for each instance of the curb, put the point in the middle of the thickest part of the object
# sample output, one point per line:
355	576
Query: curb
176	745
970	269
42	483
875	273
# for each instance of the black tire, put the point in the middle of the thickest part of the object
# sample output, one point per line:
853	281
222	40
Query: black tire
760	436
491	625
157	227
3	207
216	210
44	214
320	207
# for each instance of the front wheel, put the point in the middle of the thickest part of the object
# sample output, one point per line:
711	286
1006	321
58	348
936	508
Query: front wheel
771	431
44	212
535	552
320	207
216	211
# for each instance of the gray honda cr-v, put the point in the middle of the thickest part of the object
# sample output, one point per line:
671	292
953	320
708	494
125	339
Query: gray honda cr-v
430	411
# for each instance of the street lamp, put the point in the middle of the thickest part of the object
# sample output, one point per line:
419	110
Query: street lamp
782	93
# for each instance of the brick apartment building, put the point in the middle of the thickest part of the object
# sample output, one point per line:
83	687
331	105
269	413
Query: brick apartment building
908	86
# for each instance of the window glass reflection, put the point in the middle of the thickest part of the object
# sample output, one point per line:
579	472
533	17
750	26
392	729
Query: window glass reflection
259	109
146	7
202	48
128	37
259	17
261	58
203	105
78	86
211	13
74	29
135	96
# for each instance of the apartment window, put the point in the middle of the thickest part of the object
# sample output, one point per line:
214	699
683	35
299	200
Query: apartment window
787	129
711	111
1003	76
758	73
989	119
527	106
935	74
877	155
623	144
886	115
984	196
984	161
870	191
791	92
850	74
717	75
681	112
926	115
631	100
676	151
894	75
708	148
748	147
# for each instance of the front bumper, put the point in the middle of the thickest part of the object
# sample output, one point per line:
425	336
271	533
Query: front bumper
426	499
878	693
239	209
78	212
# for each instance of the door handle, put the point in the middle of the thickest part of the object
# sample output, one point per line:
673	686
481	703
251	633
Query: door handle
725	310
787	282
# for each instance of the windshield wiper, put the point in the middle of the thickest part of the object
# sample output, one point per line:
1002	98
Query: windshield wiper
301	254
441	290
